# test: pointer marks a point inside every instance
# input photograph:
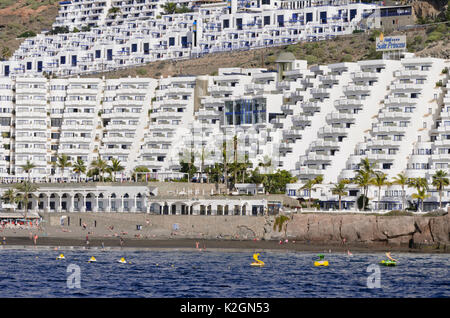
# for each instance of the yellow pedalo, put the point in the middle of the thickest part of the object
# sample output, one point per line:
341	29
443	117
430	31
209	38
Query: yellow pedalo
257	262
321	261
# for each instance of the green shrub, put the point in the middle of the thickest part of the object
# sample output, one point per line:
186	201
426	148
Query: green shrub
434	36
27	34
311	59
141	71
399	213
347	58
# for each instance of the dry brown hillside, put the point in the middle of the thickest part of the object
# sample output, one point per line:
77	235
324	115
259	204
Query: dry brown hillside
18	16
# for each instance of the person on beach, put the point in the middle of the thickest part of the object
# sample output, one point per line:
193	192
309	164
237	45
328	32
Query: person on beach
35	239
87	241
121	241
4	240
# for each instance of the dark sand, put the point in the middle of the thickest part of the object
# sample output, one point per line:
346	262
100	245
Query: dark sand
224	245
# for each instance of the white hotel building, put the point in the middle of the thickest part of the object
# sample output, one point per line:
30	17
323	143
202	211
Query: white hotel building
110	34
310	120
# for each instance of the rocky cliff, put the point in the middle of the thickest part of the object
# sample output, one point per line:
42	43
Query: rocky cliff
315	228
414	231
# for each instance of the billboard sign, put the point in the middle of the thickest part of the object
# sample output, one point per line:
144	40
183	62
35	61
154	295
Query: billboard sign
391	43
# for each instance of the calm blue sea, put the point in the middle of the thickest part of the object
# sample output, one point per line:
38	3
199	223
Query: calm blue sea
190	274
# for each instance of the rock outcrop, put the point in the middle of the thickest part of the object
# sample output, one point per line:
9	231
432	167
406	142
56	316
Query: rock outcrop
400	230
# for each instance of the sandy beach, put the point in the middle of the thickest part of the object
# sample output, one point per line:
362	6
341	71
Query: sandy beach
113	243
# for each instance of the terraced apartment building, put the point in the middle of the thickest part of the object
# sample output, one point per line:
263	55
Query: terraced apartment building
94	36
309	120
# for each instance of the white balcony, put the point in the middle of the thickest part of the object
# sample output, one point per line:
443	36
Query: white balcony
388	129
340	117
323	144
381	157
348	103
332	131
400	101
311	157
394	115
406	87
440	157
363	76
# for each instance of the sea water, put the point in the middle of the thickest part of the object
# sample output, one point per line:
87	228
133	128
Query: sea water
191	274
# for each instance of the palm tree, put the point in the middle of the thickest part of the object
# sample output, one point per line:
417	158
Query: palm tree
440	180
309	185
137	170
24	190
79	167
63	163
9	196
339	189
421	195
92	173
27	167
363	177
418	183
169	7
116	167
379	180
281	222
402	181
266	164
101	166
421	185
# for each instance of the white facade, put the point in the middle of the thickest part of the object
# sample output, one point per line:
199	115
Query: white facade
319	120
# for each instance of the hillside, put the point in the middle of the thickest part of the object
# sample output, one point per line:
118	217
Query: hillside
432	41
19	16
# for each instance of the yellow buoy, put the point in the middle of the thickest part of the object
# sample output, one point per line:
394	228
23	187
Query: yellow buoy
61	256
122	260
92	259
257	262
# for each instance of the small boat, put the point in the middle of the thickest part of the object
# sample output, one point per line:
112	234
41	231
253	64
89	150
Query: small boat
321	261
61	256
92	259
257	262
122	261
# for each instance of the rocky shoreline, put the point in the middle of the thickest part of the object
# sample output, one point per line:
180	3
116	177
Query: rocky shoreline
316	232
